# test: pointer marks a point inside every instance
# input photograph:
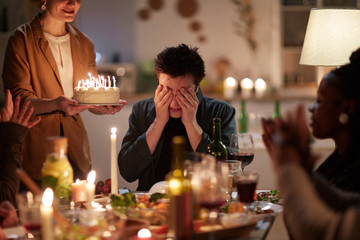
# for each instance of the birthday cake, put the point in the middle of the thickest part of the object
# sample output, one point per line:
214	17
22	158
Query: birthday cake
97	91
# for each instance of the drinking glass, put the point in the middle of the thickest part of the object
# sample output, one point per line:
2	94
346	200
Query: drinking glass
246	183
242	148
192	159
234	169
209	186
29	213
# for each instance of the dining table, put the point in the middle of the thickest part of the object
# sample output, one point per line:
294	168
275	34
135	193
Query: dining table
259	230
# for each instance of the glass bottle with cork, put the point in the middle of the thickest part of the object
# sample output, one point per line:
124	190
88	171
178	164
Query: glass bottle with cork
243	118
180	194
57	172
216	147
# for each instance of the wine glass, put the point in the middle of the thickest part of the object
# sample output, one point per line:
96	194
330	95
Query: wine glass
29	213
246	183
209	186
242	148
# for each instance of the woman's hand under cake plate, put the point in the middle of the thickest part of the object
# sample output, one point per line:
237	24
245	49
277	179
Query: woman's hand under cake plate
108	109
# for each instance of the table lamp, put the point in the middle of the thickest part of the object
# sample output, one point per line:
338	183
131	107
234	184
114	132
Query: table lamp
331	36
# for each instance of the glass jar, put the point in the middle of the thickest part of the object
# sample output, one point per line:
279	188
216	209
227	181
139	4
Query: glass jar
57	172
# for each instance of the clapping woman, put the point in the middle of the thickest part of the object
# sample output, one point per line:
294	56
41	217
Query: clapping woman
336	115
324	204
44	60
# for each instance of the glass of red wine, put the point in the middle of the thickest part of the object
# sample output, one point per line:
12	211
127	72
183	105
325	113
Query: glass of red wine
241	148
246	183
210	188
29	214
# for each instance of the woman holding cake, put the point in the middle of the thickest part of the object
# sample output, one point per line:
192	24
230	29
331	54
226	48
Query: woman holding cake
44	61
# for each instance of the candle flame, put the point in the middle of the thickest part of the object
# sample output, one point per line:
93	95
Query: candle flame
144	233
113	130
247	83
91	176
48	196
230	81
260	84
77	181
94	82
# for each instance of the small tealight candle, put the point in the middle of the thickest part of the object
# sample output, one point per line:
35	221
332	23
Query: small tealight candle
246	87
144	233
79	191
90	185
46	210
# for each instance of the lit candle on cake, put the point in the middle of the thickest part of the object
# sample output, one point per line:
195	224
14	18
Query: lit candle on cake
79	191
46	211
114	167
90	185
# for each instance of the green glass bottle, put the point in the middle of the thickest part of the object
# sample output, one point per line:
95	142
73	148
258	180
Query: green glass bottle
180	194
243	118
277	113
216	147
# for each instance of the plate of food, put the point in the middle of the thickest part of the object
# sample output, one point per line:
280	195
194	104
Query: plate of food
102	199
272	196
151	207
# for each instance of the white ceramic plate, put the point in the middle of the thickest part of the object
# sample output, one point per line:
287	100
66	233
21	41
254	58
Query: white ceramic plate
159	187
100	104
14	232
102	199
268	205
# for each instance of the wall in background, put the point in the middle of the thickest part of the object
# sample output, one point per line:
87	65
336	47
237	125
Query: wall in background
115	27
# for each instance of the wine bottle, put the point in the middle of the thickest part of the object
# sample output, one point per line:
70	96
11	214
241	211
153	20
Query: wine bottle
180	194
277	113
243	118
57	172
216	147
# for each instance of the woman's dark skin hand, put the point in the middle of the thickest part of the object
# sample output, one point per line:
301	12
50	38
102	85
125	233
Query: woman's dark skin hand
287	140
8	215
12	112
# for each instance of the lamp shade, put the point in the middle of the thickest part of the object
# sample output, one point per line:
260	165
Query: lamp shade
331	36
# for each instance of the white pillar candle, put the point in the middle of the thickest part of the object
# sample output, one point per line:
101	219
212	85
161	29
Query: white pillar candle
246	87
229	88
79	192
114	167
46	210
90	185
260	88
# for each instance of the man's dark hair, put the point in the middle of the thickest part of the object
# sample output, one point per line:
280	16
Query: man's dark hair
179	61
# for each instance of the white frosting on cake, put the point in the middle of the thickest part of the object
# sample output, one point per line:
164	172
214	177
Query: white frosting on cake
101	95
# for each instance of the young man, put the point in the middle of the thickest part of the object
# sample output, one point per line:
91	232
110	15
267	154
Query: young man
178	108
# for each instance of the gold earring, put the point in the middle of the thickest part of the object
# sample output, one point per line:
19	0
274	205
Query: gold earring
43	6
343	118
